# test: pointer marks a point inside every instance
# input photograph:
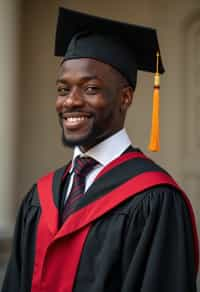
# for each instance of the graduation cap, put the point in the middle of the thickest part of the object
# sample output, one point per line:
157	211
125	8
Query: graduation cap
126	47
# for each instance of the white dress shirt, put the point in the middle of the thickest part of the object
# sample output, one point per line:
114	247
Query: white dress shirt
103	153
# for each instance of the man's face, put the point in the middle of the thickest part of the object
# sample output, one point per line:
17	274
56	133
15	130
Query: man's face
90	102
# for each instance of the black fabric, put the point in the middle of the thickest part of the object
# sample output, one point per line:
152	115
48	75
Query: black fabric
126	47
57	187
62	194
20	267
106	183
143	245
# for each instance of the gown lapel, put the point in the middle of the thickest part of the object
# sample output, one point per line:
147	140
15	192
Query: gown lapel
123	178
114	184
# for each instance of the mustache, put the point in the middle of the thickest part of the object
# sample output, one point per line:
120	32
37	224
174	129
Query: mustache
63	114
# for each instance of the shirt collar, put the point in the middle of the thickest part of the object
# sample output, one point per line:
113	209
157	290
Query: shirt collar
107	150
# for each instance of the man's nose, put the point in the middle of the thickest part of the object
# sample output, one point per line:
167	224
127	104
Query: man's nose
74	98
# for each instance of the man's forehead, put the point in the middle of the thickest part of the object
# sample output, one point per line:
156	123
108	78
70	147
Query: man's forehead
86	67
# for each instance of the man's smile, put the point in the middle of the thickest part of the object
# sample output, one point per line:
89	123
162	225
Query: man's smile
73	121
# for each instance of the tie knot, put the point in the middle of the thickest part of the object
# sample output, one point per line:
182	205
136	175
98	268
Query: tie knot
83	165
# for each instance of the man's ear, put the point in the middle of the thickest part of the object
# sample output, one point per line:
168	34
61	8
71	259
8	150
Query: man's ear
127	95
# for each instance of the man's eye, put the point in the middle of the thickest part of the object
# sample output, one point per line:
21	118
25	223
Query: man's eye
92	89
62	91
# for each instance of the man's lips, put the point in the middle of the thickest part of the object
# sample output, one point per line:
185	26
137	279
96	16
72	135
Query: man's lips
75	120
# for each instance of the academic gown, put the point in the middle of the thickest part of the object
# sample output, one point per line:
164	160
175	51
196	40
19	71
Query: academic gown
144	243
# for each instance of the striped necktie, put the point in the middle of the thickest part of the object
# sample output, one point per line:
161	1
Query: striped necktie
82	167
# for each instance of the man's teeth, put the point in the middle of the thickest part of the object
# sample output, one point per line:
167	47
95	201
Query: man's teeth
75	119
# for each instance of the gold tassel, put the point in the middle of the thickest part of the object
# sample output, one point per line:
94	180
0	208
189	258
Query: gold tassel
154	144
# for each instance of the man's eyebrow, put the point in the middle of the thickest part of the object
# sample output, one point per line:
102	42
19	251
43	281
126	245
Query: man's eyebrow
82	79
60	80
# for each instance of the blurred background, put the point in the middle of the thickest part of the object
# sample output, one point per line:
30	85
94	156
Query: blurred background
30	143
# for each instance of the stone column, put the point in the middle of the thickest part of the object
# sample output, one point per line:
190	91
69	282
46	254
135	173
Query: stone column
9	36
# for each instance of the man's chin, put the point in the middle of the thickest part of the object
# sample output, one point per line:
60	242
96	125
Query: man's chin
81	141
87	141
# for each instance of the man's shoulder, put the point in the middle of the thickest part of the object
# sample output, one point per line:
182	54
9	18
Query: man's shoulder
31	198
56	172
135	162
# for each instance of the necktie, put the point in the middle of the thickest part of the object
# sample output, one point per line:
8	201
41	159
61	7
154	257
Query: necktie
82	167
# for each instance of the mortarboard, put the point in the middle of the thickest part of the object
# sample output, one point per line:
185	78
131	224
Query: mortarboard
126	47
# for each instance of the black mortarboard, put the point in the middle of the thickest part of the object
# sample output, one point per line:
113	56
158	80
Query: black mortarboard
126	47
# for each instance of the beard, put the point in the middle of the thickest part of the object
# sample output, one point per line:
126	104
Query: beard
96	133
93	137
79	141
88	139
67	142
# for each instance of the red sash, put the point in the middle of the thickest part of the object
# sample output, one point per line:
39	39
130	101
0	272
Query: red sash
58	251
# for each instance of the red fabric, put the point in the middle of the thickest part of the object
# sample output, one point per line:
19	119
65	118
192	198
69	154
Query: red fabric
58	251
50	253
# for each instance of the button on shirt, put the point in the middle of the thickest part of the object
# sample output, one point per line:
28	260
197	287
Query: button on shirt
103	153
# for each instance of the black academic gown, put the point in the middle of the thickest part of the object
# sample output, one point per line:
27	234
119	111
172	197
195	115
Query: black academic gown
144	244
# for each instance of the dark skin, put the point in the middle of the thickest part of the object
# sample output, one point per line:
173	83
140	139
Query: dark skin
92	101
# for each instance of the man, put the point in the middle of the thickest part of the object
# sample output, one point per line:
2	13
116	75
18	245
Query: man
111	220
